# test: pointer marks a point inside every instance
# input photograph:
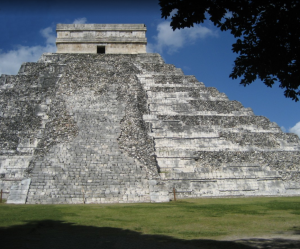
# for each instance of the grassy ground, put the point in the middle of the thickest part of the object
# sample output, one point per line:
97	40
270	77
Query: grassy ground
185	219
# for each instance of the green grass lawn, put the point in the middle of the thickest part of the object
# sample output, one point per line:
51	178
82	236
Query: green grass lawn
184	219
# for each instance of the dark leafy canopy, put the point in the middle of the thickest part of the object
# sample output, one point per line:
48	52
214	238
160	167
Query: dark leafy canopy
268	33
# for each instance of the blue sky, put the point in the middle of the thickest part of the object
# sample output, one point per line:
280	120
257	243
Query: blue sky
27	30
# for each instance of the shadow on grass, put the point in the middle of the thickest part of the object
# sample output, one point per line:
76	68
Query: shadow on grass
48	234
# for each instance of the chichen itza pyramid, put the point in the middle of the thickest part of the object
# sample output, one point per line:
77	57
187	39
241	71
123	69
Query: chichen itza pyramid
102	121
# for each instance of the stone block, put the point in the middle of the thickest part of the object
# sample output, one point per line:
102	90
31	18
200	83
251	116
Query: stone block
18	192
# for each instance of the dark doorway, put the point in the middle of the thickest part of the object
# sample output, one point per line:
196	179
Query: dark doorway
100	50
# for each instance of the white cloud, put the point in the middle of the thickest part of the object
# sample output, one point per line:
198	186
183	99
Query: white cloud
80	20
173	40
186	68
150	48
296	129
48	34
283	128
11	61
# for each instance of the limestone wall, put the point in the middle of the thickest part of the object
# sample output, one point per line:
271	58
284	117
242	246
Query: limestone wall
115	38
91	48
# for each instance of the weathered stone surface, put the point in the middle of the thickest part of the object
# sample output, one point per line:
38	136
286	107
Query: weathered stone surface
18	192
111	38
105	128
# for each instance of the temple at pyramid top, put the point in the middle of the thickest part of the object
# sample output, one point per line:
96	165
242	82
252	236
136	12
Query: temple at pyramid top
101	38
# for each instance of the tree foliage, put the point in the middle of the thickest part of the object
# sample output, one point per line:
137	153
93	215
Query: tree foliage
267	32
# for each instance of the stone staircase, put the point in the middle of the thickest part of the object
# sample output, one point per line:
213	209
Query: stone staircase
21	122
208	146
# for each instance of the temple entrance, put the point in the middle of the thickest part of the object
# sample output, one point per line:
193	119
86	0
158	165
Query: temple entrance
100	49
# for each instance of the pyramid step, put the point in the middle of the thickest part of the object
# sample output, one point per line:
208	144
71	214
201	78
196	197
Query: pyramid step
160	68
179	96
201	105
12	171
180	80
222	120
182	135
32	68
173	152
221	174
18	192
149	58
49	58
171	88
175	88
189	110
187	152
161	129
166	79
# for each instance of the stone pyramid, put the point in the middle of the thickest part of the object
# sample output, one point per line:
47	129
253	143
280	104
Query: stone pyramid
126	127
